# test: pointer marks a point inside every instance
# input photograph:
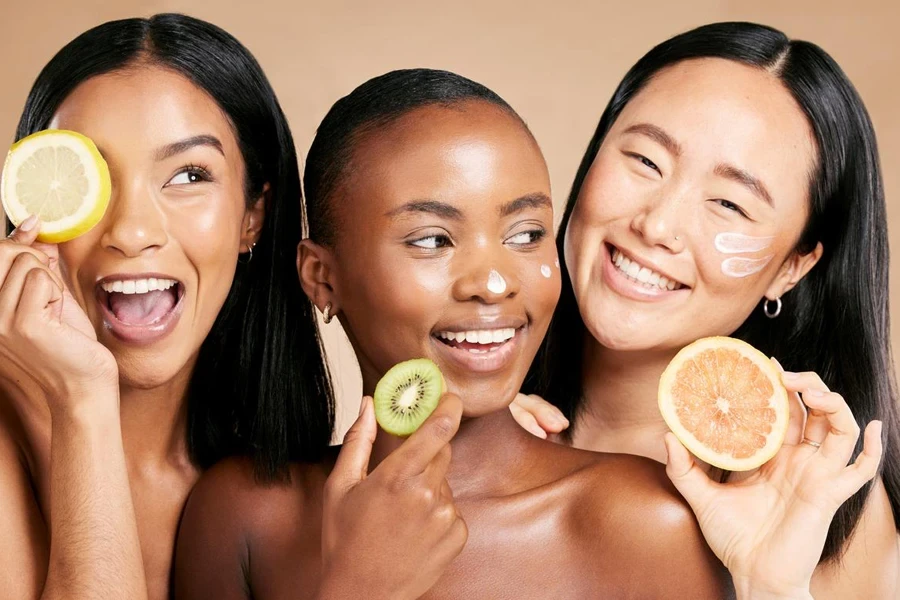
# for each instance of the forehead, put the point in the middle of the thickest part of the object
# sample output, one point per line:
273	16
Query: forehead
470	152
723	111
142	107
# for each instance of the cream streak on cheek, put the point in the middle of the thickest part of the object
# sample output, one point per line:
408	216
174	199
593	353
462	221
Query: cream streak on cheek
738	243
743	267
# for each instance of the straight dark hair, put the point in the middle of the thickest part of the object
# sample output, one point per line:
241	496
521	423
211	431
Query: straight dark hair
260	385
836	320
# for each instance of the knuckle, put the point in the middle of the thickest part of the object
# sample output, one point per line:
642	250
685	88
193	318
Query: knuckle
443	427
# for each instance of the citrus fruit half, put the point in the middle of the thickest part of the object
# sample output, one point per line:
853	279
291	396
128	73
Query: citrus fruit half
59	176
724	400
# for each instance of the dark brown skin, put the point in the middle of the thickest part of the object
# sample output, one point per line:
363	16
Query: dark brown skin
544	520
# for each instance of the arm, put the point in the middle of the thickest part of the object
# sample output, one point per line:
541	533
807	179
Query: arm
211	553
48	346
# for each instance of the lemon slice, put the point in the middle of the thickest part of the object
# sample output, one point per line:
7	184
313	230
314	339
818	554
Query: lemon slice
60	177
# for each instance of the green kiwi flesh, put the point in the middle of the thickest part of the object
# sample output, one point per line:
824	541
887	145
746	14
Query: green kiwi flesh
407	394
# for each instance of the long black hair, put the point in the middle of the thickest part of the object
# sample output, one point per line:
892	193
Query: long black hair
835	321
373	105
260	385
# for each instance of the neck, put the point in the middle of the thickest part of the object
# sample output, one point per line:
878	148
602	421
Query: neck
154	423
620	401
495	435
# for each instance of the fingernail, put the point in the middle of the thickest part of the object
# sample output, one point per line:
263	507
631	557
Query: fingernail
777	364
362	405
561	420
28	224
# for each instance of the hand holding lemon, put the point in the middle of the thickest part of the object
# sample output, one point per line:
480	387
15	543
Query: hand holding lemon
55	186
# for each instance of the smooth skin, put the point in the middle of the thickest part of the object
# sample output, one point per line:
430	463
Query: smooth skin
436	200
658	192
94	513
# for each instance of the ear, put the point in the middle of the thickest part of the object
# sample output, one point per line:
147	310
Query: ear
254	217
792	271
315	267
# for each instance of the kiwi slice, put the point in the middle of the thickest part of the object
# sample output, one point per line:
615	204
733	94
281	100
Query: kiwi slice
407	394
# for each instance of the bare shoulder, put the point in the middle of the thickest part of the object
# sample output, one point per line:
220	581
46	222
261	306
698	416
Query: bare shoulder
628	513
870	565
232	515
24	543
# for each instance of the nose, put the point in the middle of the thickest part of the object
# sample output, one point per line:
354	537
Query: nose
659	222
485	279
134	223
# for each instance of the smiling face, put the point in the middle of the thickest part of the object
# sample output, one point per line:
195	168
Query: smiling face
692	208
154	273
444	249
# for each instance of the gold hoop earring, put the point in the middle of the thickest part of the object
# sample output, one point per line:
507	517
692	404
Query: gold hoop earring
326	313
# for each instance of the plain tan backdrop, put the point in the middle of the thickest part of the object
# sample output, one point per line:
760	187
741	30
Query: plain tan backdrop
557	62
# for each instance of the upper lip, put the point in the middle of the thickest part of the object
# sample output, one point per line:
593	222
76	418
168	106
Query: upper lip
646	262
483	323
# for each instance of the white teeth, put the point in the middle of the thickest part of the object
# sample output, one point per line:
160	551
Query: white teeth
138	286
479	336
641	273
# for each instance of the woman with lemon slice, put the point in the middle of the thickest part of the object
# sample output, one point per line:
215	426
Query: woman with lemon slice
732	187
129	354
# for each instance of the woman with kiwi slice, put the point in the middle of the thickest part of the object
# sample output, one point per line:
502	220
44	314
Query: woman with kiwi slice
428	203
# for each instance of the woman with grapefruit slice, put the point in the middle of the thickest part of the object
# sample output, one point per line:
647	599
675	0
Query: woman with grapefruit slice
732	187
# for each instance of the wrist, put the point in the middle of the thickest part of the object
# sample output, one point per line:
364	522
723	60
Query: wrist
749	588
85	402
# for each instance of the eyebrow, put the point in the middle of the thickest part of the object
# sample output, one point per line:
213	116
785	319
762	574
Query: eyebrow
754	184
441	209
184	145
536	200
657	134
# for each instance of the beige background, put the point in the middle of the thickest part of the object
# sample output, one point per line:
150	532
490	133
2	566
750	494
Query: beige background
557	62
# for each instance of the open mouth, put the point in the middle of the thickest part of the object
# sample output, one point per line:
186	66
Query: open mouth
140	302
640	274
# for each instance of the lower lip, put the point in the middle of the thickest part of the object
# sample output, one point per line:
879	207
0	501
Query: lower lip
481	362
629	288
142	334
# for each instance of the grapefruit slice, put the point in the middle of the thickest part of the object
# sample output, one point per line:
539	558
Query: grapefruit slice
59	176
724	401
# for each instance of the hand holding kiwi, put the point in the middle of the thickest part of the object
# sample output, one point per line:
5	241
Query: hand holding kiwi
402	512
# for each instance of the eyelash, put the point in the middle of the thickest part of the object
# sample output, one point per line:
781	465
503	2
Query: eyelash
438	236
645	161
192	171
536	236
728	205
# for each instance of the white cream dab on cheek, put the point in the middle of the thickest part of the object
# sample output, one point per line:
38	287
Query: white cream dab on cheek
545	271
496	284
738	243
744	267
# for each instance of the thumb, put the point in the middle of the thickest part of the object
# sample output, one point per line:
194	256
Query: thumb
352	463
26	232
689	479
